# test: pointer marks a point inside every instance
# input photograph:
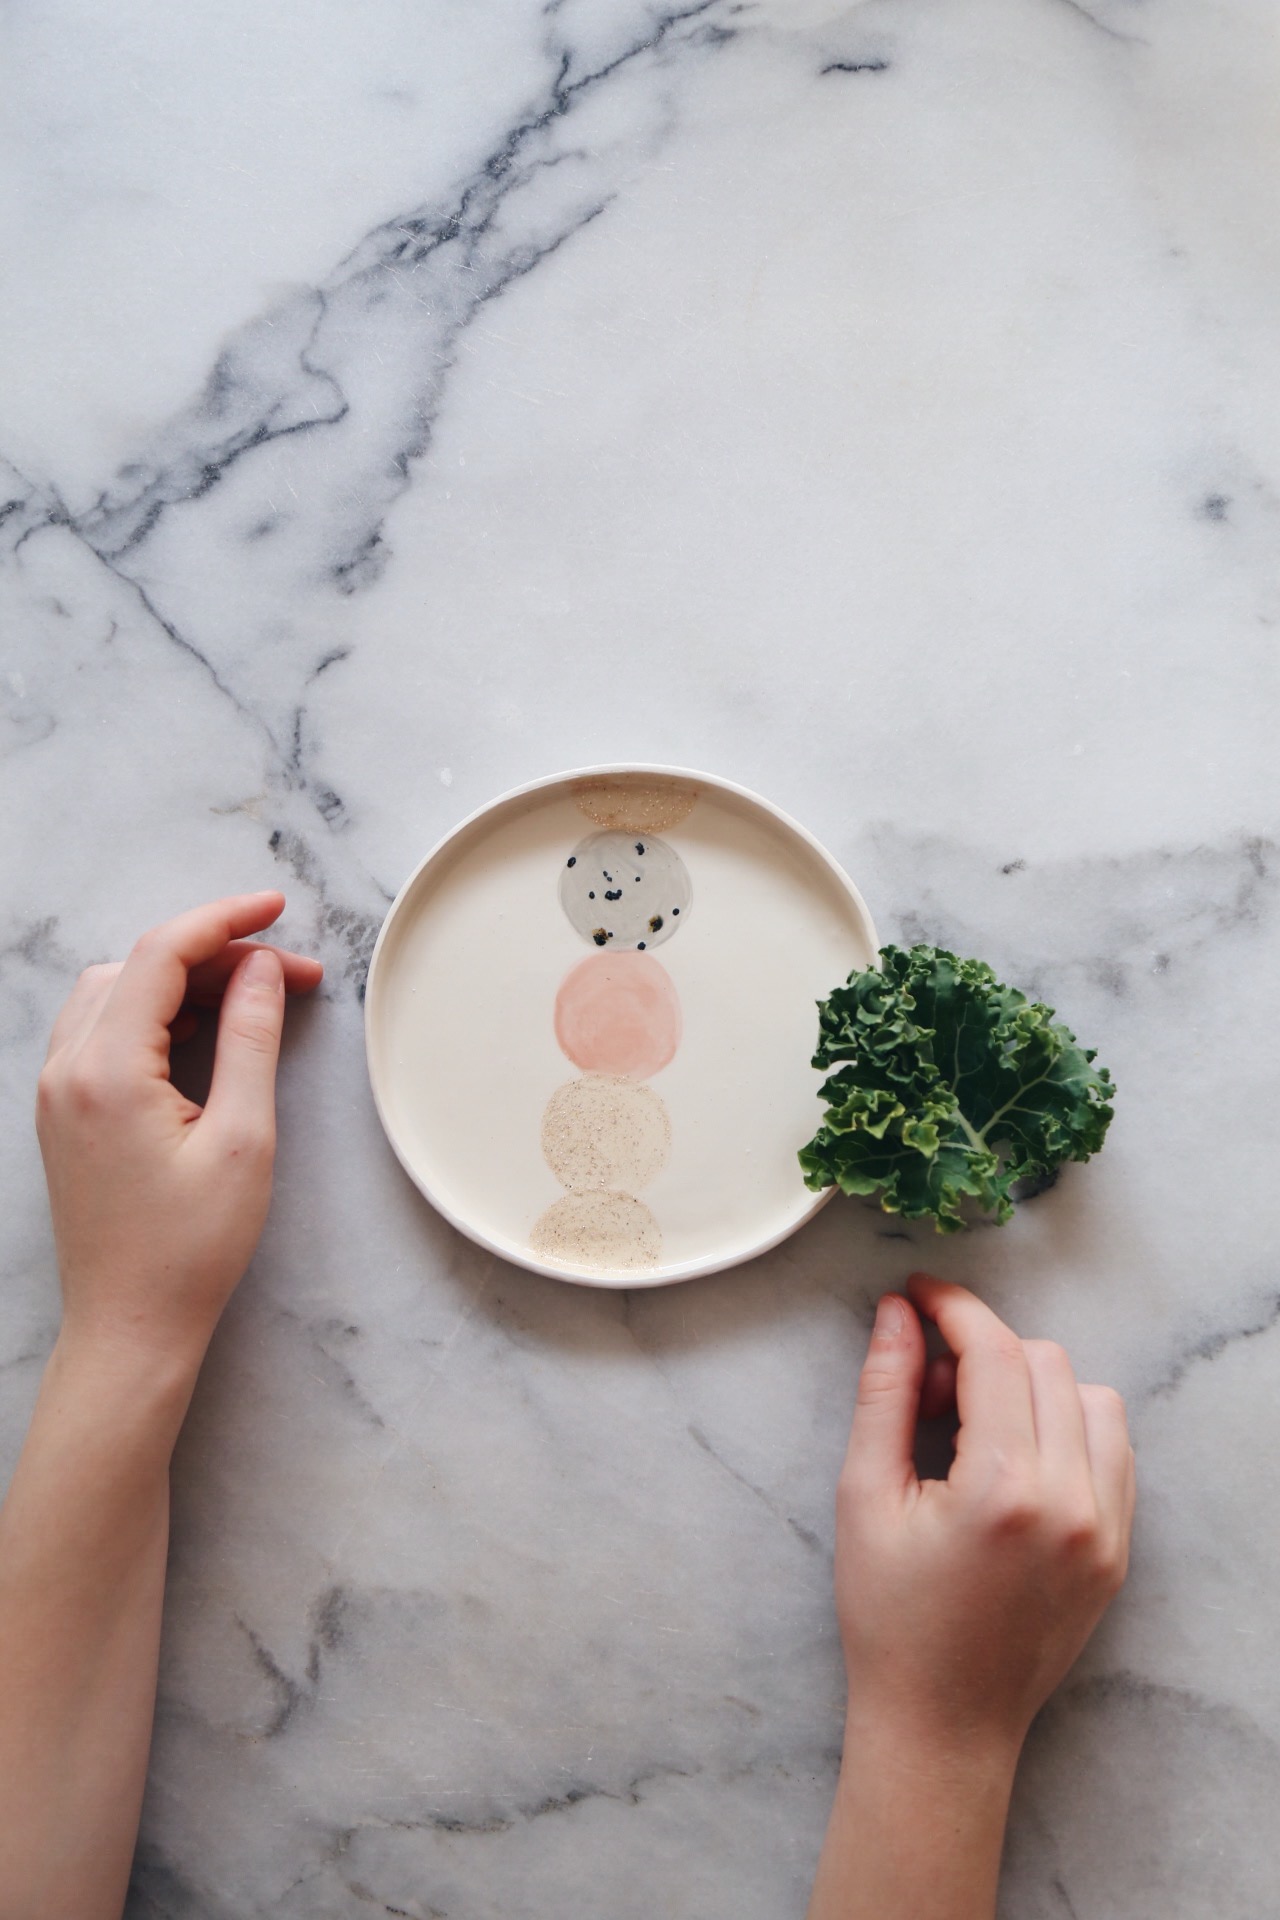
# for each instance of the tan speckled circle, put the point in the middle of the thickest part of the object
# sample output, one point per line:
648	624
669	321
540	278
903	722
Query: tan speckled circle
605	1132
635	802
612	1232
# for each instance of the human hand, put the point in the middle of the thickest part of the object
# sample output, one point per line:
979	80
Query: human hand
158	1203
963	1602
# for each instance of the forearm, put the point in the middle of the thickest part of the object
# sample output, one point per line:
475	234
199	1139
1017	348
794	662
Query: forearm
916	1830
83	1540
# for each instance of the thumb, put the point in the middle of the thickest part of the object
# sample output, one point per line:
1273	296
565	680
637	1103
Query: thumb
242	1094
881	1445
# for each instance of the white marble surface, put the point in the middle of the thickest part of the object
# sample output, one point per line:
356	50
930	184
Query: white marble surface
875	404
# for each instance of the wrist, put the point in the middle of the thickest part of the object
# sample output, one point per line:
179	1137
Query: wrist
123	1384
975	1762
139	1331
918	1820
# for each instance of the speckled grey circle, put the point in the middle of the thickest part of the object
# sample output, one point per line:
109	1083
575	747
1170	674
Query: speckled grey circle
625	890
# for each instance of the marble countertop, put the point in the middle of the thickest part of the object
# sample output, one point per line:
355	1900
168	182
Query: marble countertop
874	404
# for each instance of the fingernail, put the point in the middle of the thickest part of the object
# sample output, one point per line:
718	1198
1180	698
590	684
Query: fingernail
891	1318
263	969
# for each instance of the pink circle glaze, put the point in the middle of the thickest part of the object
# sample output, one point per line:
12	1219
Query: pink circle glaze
618	1013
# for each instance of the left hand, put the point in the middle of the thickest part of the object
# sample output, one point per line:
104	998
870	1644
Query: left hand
158	1203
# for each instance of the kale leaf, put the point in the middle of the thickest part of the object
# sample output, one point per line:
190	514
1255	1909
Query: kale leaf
956	1087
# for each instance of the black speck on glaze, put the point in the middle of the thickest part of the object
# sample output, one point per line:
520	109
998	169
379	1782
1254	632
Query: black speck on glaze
599	936
639	946
589	886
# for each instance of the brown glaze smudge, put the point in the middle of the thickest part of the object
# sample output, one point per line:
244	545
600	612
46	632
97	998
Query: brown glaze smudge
635	802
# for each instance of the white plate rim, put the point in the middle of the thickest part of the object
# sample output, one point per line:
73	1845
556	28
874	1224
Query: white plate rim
505	1250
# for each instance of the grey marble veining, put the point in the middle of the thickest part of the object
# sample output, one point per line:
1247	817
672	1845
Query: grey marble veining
876	404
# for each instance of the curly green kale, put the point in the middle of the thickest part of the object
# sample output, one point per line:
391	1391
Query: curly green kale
956	1087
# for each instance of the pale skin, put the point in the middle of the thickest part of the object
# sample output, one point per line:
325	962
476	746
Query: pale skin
157	1206
961	1603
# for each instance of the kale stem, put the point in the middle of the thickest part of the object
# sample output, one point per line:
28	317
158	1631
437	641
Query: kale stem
1000	1111
976	1140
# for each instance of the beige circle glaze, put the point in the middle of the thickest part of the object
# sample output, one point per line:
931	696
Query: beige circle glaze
618	1013
635	803
605	1132
607	1232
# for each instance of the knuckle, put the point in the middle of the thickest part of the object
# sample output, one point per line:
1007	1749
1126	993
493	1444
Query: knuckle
257	1035
1008	1350
1012	1506
1106	1407
1108	1565
878	1383
1047	1352
1077	1531
1015	1518
98	971
86	1087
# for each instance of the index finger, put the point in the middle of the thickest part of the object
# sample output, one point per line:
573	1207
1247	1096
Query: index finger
152	983
993	1381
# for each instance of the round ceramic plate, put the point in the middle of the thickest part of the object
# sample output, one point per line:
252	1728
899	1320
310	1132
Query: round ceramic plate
589	1016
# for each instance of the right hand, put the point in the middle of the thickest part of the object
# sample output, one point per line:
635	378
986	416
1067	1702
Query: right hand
963	1602
158	1203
